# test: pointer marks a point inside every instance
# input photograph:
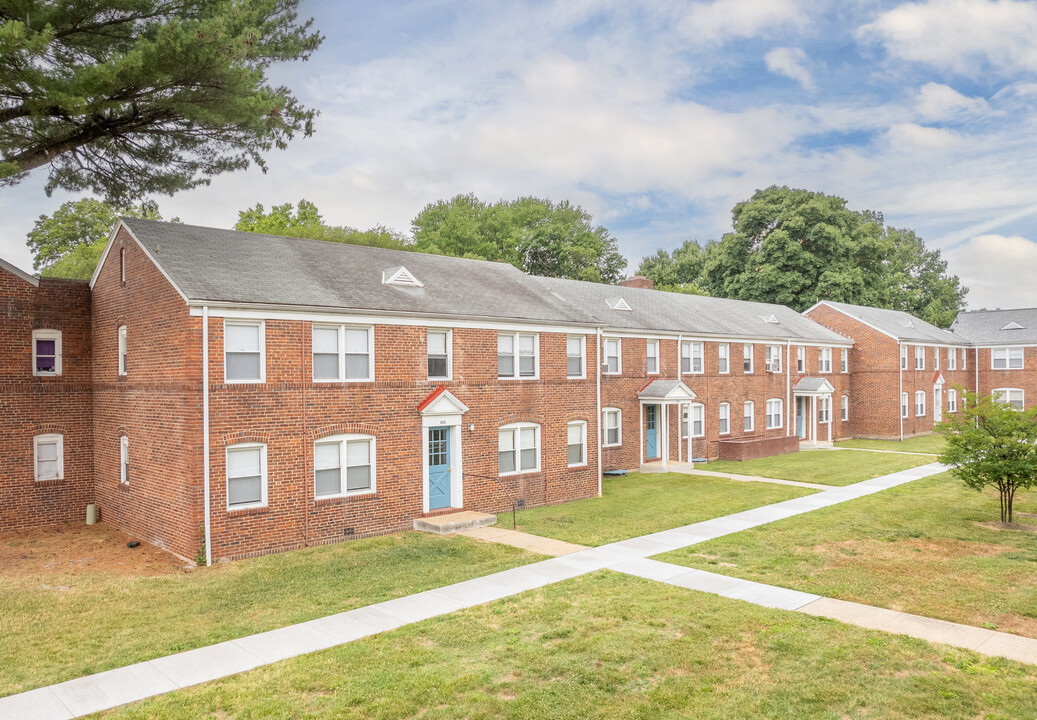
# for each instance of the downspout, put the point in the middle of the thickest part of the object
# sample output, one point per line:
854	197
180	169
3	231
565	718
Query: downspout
900	398
205	432
975	368
788	389
597	378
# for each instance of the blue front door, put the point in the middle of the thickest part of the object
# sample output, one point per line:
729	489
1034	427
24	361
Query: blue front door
651	432
438	468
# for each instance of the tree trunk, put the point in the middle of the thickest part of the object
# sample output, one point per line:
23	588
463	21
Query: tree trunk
1011	499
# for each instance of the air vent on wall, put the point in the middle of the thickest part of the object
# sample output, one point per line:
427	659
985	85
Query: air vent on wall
400	276
618	304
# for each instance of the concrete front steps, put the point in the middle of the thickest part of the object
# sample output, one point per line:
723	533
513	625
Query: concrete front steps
454	522
671	467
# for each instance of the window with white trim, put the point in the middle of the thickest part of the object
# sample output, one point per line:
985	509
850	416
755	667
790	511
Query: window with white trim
438	345
576	443
844	408
1006	358
844	361
964	365
747	358
48	453
919	357
723	358
691	357
801	359
343	465
824	409
612	422
952	359
698	421
775	416
724	418
575	363
824	360
772	358
246	475
903	357
920	403
518	448
517	355
46	352
343	353
652	357
904	405
952	400
124	460
748	416
936	358
243	351
122	350
1011	396
613	356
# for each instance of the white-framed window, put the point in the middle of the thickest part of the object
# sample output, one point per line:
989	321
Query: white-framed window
824	409
576	443
747	358
964	365
48	456
518	448
952	399
122	264
46	352
724	418
691	358
824	360
724	358
612	422
748	416
1012	396
246	475
844	408
244	351
903	405
903	357
952	359
936	358
920	403
652	357
613	353
575	357
343	353
344	465
772	358
1006	358
438	354
775	416
122	350
801	359
919	357
518	356
844	361
698	421
124	460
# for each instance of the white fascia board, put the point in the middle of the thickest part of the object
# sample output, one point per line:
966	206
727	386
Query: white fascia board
19	273
994	346
756	340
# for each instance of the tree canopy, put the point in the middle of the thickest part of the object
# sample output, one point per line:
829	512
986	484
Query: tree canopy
305	221
127	98
536	235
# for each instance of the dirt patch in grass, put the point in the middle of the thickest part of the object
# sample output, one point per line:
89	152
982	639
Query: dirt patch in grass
1019	527
82	549
934	549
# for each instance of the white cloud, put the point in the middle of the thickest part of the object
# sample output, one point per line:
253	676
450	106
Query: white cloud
791	63
717	21
959	35
908	137
1000	271
936	102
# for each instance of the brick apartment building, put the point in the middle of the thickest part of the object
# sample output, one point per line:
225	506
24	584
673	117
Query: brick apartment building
253	394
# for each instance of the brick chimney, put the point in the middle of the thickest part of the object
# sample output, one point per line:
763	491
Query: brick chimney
638	281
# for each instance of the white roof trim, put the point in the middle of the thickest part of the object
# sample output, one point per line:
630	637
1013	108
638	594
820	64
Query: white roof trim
400	276
19	273
445	404
618	304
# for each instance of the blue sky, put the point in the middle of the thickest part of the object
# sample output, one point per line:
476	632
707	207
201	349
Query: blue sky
658	117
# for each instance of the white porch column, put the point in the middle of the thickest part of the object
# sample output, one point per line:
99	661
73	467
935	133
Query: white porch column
679	417
813	419
665	431
641	431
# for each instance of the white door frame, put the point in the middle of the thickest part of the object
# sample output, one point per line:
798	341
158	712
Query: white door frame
444	410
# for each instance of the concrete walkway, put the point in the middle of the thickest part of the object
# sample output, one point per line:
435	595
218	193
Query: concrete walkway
515	538
758	478
109	689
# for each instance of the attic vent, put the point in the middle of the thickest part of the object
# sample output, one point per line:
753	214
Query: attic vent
1013	326
400	276
618	304
907	323
772	319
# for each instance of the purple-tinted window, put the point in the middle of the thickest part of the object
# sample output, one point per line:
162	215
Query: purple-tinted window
46	356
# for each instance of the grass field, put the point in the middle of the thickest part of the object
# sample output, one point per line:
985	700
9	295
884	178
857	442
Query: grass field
828	467
922	548
611	646
933	444
57	624
641	503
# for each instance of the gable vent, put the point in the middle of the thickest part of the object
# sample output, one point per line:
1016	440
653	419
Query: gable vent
907	323
400	276
1013	326
618	304
772	319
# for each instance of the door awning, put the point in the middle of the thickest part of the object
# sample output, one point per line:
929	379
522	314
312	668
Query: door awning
665	391
813	386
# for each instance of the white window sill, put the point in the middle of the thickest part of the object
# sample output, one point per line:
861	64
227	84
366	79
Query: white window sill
514	379
347	494
257	381
606	445
518	472
248	506
578	465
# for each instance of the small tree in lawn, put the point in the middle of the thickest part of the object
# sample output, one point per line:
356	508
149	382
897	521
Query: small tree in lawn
990	443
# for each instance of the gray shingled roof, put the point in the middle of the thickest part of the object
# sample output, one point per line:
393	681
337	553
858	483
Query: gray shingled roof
985	327
899	324
691	314
215	265
811	384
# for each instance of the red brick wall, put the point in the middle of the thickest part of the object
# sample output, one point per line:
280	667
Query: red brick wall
747	449
990	379
31	405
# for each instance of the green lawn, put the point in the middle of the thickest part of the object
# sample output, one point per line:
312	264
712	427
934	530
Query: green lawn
828	467
933	444
612	646
919	548
641	503
56	626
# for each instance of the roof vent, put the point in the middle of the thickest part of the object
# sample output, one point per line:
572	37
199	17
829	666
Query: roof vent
618	304
400	276
908	323
1013	326
772	319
